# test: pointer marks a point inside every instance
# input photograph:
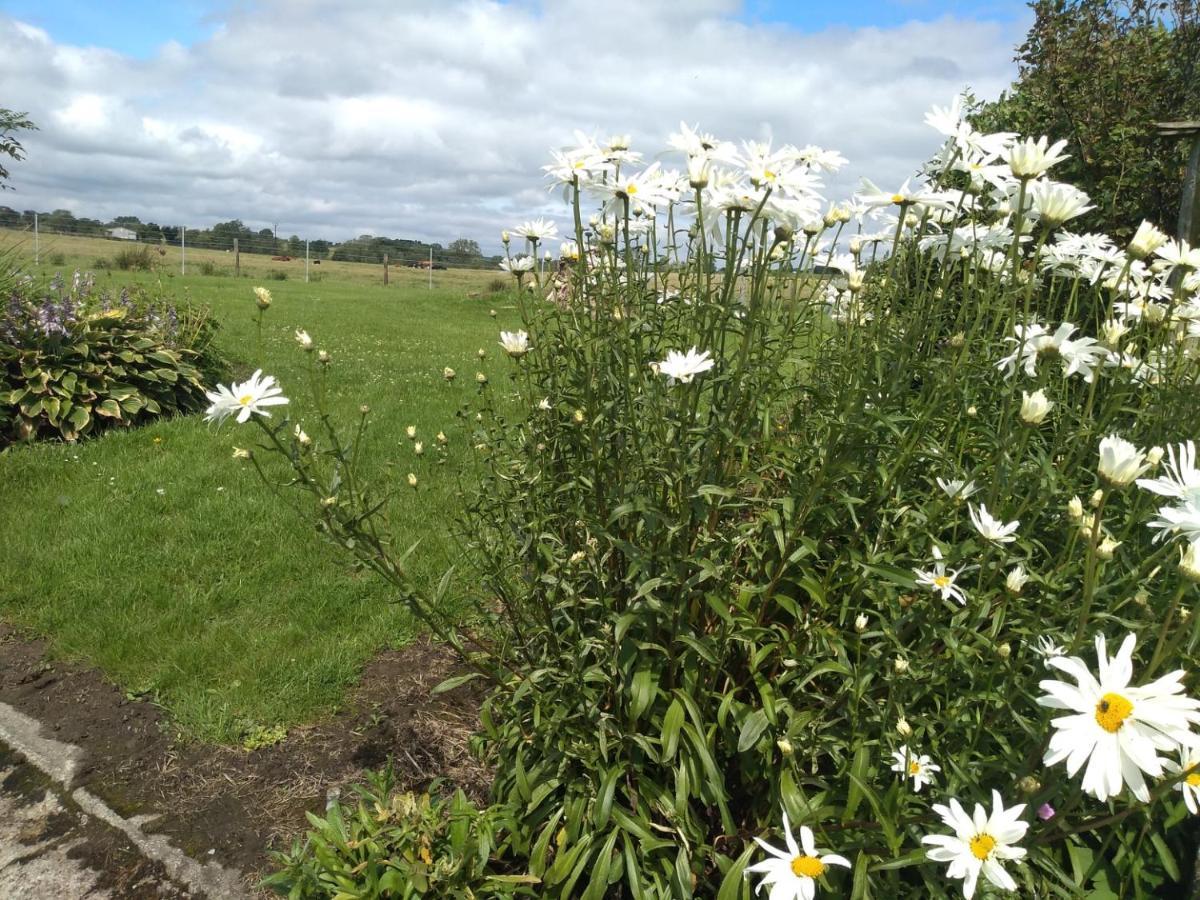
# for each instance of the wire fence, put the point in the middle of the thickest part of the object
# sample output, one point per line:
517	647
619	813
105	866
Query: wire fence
179	242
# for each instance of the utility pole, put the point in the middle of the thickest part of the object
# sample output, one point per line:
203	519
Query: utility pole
237	260
385	271
182	249
306	261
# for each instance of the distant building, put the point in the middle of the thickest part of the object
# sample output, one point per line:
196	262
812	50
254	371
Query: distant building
122	234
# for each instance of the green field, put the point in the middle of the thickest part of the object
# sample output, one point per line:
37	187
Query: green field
155	556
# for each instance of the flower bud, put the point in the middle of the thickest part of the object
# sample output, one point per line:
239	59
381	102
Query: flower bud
412	480
1004	650
578	416
577	557
323	357
1145	241
900	665
448	373
305	342
301	438
481	377
441	437
785	746
1189	561
418	448
240	453
504	237
410	432
1075	509
1029	785
481	353
1016	579
957	340
262	297
1046	812
903	728
327	502
1096	499
1034	407
860	623
364	409
972	412
1154	455
492	313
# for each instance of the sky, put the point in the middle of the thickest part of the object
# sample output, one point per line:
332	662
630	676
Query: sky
430	119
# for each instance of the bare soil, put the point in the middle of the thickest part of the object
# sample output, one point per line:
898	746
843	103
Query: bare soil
229	803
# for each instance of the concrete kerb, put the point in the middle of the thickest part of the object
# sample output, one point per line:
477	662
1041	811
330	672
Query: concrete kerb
61	763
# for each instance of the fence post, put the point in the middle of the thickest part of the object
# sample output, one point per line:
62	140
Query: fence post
237	260
306	262
182	249
430	268
385	272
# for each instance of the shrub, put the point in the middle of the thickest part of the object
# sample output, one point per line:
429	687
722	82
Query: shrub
754	542
134	259
395	844
208	267
74	364
56	259
277	275
497	286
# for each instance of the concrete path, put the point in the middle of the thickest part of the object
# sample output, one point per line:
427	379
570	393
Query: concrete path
60	842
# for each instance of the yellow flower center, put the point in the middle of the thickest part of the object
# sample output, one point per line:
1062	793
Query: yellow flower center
768	175
897	199
807	867
1112	711
982	846
914	768
246	399
1193	780
632	189
942	581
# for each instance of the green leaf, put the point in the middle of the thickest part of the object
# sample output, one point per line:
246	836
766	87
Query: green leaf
457	681
672	720
734	885
109	408
858	774
752	728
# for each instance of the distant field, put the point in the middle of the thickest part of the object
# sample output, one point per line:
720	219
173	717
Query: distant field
152	554
94	253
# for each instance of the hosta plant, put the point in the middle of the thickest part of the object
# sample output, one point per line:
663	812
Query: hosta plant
74	363
884	516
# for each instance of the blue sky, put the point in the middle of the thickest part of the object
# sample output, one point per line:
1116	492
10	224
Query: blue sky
133	27
137	28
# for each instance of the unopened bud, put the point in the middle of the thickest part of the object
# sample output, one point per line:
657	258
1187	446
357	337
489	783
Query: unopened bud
860	623
785	746
1029	785
1004	650
900	664
412	480
448	373
903	728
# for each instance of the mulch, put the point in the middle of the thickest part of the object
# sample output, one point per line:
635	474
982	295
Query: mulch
235	805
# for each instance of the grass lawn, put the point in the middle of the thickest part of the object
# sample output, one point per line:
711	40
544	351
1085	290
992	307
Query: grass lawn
171	567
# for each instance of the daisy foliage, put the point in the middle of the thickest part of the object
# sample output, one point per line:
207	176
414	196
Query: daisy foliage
701	487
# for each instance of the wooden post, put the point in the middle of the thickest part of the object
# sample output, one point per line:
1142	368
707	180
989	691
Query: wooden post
1188	228
385	262
237	260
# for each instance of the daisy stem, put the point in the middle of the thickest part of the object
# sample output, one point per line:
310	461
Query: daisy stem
1161	647
1089	572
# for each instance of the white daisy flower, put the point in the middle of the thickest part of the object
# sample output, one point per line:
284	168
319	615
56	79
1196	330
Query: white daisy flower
980	843
1189	785
1120	461
683	367
515	343
937	579
792	875
1030	158
517	265
920	769
957	488
1116	728
1182	478
990	528
1047	649
245	399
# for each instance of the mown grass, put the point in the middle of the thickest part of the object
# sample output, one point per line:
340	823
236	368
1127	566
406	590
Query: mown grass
153	555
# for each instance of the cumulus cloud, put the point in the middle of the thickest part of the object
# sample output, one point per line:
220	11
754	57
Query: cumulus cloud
432	120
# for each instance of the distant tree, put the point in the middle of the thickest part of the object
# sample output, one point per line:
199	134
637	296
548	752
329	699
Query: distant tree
10	123
1100	73
464	247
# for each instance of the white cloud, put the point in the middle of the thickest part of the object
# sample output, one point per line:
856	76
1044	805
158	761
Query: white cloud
432	121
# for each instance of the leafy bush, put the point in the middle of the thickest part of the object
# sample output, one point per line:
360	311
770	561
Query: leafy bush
134	259
395	844
74	364
208	267
277	275
829	560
